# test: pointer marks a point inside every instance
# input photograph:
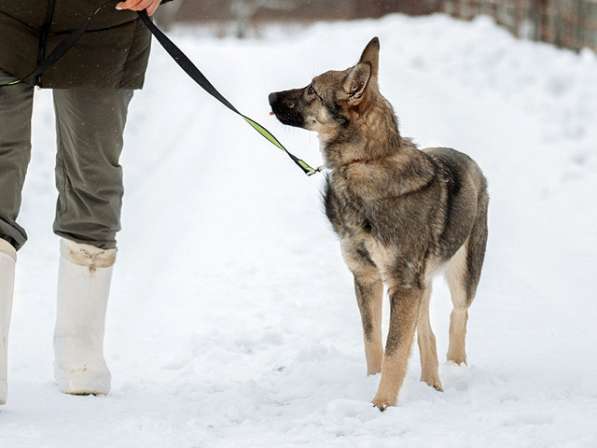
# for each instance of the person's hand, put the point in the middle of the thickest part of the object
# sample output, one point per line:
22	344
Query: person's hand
140	5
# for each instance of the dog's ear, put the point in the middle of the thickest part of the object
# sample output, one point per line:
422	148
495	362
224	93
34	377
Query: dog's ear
356	82
371	56
362	74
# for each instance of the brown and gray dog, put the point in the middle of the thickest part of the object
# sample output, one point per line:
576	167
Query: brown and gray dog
402	215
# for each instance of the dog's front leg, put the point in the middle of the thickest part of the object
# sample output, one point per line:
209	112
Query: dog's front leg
404	304
369	291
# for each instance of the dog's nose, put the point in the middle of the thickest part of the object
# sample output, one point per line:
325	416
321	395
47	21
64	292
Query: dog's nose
273	97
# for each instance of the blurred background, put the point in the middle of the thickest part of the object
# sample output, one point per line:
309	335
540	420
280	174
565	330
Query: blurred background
565	23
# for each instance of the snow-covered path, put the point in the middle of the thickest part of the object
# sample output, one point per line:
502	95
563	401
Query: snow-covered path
233	322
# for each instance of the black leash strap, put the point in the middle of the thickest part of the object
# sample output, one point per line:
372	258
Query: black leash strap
181	59
196	75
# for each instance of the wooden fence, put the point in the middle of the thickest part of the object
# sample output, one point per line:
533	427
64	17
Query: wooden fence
566	23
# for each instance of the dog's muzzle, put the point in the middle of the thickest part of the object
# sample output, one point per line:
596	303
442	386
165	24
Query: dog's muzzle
285	108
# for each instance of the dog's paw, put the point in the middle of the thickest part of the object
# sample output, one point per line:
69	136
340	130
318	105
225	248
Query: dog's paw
373	372
433	381
382	403
457	357
457	362
436	385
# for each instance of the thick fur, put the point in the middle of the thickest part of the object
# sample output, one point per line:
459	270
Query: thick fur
401	213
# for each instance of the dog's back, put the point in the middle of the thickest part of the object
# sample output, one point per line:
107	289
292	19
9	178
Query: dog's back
464	199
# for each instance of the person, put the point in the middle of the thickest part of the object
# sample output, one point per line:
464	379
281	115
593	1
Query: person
92	87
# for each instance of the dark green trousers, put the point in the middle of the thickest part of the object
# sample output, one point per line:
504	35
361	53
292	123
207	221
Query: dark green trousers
90	125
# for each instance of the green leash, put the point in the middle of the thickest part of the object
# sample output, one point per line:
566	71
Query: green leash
181	59
307	169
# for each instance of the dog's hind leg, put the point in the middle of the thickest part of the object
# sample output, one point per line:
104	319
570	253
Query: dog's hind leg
427	346
457	278
463	274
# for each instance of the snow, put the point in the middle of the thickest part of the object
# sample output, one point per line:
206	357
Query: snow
233	321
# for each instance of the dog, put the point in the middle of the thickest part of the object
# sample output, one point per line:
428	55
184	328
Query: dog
402	214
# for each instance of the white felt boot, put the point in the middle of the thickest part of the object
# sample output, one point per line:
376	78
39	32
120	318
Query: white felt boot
8	257
83	289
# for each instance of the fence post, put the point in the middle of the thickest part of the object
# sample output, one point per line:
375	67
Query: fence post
547	22
590	25
517	19
582	19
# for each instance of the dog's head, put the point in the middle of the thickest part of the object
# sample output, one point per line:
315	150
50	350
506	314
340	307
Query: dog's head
332	100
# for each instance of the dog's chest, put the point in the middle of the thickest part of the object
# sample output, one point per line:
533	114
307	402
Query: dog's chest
348	213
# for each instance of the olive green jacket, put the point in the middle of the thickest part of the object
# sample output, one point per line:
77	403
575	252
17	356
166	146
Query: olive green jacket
113	53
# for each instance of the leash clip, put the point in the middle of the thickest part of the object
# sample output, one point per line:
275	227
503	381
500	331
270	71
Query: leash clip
316	171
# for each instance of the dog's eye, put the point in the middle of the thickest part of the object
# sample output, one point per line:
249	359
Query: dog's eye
311	91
